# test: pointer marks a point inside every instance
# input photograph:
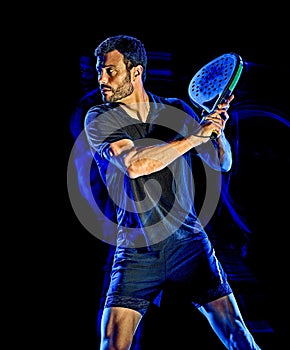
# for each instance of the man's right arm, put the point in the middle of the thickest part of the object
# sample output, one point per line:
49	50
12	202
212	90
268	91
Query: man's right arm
146	160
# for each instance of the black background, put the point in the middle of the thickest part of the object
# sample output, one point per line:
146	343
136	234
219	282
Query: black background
194	37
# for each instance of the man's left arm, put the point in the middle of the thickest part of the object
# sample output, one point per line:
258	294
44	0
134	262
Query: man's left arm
224	151
217	152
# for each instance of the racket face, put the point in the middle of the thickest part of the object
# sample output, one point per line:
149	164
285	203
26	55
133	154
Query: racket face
215	81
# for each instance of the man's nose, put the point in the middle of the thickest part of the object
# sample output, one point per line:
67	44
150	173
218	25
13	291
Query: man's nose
103	78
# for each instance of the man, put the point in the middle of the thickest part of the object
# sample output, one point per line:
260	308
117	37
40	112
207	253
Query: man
144	146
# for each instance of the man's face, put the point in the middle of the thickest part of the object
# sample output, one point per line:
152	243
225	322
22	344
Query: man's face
114	79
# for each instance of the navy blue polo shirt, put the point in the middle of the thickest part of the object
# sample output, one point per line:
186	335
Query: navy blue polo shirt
151	207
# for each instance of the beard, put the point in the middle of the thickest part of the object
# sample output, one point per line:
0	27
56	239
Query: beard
123	90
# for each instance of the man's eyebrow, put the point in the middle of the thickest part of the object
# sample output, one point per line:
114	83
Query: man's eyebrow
105	66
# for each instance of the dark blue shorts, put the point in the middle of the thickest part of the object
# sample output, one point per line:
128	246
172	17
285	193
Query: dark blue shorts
186	264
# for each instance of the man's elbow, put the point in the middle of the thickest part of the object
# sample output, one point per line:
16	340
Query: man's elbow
131	173
226	166
141	167
136	169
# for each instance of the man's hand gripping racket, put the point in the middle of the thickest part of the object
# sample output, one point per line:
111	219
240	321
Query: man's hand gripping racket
212	86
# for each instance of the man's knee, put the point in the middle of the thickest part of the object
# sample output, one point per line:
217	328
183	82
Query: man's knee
118	326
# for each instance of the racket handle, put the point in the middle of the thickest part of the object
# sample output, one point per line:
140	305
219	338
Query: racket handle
213	135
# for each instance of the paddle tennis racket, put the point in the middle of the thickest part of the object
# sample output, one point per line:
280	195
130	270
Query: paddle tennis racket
215	82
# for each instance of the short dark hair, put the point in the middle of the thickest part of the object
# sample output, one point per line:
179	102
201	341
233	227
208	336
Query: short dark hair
131	48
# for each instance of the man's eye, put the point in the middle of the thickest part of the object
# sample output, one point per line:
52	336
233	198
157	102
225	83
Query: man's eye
110	71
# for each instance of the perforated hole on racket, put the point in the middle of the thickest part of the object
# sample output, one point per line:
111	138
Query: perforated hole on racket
215	82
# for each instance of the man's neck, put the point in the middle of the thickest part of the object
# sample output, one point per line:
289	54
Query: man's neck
137	106
138	110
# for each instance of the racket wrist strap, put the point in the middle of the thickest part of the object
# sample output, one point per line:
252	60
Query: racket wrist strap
211	137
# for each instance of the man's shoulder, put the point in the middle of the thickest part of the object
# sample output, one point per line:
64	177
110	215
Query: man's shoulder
163	99
97	110
174	102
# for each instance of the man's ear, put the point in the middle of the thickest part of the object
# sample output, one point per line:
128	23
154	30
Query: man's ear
138	70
